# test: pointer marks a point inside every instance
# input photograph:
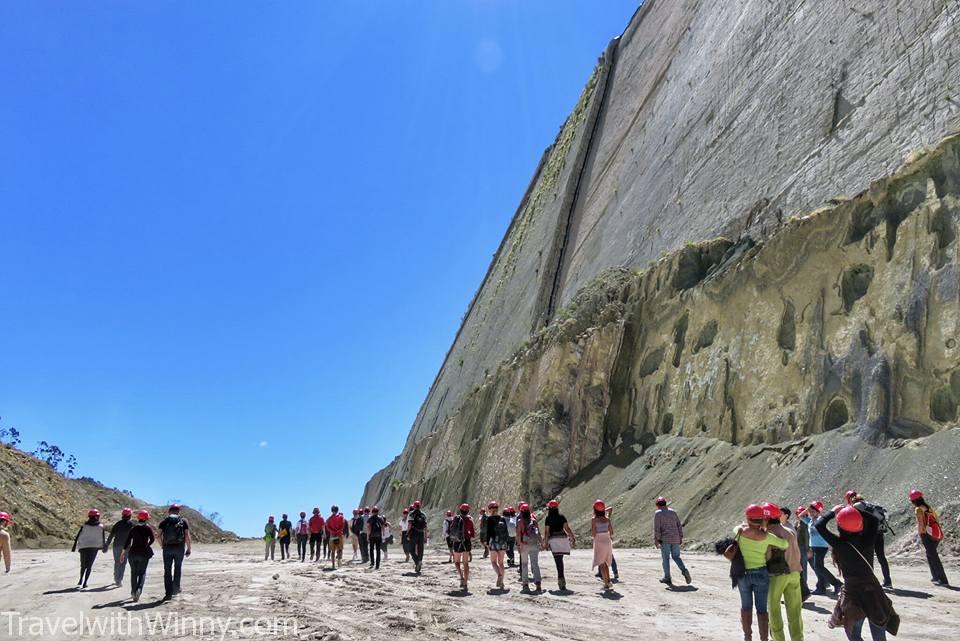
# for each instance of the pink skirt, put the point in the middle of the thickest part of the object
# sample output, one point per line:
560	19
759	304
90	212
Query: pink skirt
602	549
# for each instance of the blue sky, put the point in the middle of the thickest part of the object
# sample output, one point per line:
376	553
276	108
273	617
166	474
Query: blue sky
238	237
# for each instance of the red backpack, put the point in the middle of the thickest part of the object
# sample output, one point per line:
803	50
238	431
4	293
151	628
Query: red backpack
933	527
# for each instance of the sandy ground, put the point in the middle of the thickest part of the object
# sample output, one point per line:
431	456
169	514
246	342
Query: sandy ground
229	582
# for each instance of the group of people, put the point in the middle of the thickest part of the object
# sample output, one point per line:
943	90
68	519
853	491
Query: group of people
132	543
770	551
502	535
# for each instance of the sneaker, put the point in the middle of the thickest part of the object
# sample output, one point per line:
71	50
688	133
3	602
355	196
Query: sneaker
526	587
136	596
667	580
500	582
539	588
687	577
562	584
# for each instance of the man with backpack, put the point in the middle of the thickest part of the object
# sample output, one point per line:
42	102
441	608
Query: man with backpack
529	542
374	534
316	535
173	534
418	535
855	499
118	536
461	533
364	548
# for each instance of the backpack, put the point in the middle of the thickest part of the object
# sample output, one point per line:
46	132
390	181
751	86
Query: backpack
174	531
933	527
376	525
533	531
500	531
876	512
419	521
302	528
455	531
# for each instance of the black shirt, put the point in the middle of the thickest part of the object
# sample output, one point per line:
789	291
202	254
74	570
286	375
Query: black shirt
139	540
555	521
167	528
286	525
120	531
852	564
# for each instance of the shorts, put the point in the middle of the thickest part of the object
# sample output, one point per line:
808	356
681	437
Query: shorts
461	547
449	543
336	543
497	547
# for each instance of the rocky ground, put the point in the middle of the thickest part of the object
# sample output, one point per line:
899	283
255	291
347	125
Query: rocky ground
231	581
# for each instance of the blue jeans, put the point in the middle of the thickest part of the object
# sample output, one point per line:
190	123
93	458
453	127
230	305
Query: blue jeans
753	587
668	550
878	633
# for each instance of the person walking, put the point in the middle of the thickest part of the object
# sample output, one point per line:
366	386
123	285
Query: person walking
404	540
5	544
559	539
374	534
418	535
854	498
930	533
90	539
529	540
316	535
497	537
447	520
601	529
118	536
510	518
461	533
387	541
336	527
173	534
820	547
803	542
364	545
784	569
269	539
137	551
861	596
302	529
753	540
668	537
356	527
284	531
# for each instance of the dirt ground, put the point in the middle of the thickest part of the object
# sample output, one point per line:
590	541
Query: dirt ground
225	583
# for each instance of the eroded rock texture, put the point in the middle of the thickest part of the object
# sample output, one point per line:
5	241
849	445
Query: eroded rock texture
731	121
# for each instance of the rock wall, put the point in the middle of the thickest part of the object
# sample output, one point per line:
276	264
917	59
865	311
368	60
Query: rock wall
707	120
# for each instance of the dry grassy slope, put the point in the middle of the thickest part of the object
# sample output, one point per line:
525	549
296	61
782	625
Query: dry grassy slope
48	508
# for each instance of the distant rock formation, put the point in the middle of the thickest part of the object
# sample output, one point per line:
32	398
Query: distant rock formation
611	328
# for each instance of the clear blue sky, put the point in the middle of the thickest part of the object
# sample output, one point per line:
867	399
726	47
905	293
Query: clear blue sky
238	237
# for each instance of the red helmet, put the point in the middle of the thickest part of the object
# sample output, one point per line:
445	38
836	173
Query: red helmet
509	510
483	510
126	512
660	500
355	512
849	519
915	494
5	517
449	512
552	504
93	514
143	515
174	508
755	512
316	510
800	510
270	518
493	505
771	511
524	506
599	506
817	505
366	508
375	509
464	507
850	494
406	510
303	514
417	504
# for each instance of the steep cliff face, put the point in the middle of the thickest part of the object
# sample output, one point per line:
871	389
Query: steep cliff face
730	121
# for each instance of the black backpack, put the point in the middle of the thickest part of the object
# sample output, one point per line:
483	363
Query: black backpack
419	521
500	532
455	531
876	512
174	531
375	523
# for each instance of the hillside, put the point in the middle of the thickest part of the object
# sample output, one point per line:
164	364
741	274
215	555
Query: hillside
740	249
48	508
